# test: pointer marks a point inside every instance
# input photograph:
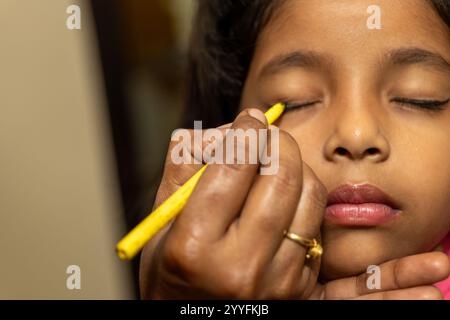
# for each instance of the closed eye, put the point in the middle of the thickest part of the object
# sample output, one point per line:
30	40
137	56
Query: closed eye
433	105
295	105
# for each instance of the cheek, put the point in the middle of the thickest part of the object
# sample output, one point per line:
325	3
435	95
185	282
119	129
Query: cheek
421	153
311	133
426	172
310	129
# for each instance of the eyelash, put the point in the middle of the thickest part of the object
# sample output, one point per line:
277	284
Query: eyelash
295	105
432	105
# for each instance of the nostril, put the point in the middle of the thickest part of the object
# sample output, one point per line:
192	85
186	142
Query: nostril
341	151
372	151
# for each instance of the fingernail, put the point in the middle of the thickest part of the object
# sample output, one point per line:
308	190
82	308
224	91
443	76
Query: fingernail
257	114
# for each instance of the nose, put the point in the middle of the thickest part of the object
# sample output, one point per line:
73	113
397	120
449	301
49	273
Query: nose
356	135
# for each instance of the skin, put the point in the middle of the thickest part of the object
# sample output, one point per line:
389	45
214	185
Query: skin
228	242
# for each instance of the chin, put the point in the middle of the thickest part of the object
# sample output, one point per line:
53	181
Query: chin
349	252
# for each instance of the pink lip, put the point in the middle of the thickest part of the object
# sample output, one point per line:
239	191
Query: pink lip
360	205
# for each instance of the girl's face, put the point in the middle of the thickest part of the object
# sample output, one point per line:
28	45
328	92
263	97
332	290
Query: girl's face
365	120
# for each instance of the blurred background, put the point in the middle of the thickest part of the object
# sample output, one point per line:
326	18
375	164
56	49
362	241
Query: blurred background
85	119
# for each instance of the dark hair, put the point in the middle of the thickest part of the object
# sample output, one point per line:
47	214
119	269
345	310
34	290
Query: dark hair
222	43
443	9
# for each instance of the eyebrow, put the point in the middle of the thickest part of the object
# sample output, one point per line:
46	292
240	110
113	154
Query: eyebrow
409	56
312	59
295	59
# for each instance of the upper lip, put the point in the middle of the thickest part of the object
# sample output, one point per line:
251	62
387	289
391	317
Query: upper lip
360	193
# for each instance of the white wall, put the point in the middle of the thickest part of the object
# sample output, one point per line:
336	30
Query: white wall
59	198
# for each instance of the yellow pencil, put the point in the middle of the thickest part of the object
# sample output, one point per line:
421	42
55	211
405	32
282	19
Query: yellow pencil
135	240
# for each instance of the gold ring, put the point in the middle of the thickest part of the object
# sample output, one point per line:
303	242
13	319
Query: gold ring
315	250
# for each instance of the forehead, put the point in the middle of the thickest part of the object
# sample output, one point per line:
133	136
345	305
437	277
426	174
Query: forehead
339	30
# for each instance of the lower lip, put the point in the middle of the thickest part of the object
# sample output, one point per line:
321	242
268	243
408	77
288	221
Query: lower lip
364	214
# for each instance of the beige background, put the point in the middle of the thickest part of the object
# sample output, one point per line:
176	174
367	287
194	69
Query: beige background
59	199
